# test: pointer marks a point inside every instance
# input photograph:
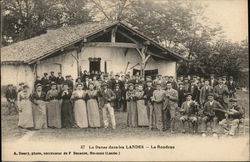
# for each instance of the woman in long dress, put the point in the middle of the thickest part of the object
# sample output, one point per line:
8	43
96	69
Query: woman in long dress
67	117
80	111
132	120
92	107
39	108
25	118
53	107
141	107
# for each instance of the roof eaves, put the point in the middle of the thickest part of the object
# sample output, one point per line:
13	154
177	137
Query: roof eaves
174	54
32	60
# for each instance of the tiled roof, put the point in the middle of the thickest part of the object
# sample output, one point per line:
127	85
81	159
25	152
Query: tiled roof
30	49
36	47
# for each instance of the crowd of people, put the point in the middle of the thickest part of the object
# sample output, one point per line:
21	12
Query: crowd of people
157	103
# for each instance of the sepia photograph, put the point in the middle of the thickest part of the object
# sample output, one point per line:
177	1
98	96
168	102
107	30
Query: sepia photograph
124	80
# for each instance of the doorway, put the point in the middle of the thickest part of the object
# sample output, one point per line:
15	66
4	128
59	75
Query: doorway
94	65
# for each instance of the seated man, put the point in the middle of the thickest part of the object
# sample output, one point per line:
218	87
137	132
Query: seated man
189	110
235	113
210	114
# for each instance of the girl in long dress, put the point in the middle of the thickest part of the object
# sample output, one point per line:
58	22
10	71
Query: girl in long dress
80	111
53	107
131	107
92	107
39	108
141	107
25	118
67	117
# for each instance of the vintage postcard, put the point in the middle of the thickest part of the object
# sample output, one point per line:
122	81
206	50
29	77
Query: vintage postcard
124	80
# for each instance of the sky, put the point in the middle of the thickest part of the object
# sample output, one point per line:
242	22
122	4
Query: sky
231	15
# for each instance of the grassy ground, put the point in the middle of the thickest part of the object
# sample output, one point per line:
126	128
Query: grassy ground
10	131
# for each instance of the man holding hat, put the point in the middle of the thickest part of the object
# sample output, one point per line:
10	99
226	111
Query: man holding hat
106	103
231	87
189	110
235	113
221	93
210	114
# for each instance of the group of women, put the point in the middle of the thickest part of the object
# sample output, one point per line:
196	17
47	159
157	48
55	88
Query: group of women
54	109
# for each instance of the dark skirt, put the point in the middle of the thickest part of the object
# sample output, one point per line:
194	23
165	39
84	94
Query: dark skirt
67	114
132	119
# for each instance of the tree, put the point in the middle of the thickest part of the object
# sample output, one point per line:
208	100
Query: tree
24	19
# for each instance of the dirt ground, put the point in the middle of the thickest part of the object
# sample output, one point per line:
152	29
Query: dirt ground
11	132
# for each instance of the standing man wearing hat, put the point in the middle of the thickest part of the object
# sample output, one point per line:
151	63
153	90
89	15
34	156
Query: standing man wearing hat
181	94
213	82
158	80
231	87
148	92
194	90
45	83
210	115
69	82
235	113
174	84
205	90
116	81
118	94
221	93
169	106
59	81
157	98
224	78
11	96
189	110
107	103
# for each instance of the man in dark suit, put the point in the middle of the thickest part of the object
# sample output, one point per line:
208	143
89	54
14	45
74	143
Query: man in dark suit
213	82
211	114
174	84
205	90
181	94
231	87
107	103
69	82
45	83
107	81
86	83
193	89
52	77
221	93
148	91
38	81
136	80
117	81
11	96
59	81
